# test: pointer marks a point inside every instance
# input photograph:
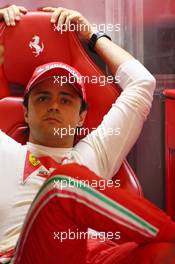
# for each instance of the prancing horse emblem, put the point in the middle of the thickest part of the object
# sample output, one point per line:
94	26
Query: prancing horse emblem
36	45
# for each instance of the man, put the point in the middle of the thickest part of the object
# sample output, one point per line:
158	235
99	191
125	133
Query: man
68	202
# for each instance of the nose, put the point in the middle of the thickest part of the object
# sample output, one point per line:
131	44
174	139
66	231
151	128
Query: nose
53	106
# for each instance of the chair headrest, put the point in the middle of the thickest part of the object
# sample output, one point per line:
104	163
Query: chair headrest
32	42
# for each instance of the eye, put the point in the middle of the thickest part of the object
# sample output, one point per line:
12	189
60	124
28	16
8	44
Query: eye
42	98
65	101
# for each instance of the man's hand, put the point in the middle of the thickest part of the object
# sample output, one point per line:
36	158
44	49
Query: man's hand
112	54
12	14
63	18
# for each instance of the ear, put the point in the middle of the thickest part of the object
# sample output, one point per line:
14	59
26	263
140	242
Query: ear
82	118
25	114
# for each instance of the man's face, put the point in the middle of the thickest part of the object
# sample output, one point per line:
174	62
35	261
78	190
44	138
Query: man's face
53	107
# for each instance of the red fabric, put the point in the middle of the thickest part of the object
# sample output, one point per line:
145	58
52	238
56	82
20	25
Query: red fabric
130	253
37	243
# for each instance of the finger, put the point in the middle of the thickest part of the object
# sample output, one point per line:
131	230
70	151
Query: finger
16	12
49	9
56	14
73	17
11	16
68	21
22	9
6	18
62	19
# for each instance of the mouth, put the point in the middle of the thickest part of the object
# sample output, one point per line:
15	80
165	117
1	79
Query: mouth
52	119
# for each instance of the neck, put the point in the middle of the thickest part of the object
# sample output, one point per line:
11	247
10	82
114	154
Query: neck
52	142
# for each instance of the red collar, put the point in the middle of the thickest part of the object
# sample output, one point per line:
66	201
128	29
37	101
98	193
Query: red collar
42	166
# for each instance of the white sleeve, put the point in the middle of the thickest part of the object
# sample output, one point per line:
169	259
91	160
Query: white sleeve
9	149
6	141
121	126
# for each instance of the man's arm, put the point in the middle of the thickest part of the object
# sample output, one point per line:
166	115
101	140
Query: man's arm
129	111
12	14
112	54
127	114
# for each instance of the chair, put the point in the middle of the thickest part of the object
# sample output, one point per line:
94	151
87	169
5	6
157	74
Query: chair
28	45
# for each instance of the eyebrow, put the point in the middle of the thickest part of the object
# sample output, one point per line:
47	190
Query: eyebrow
41	92
67	94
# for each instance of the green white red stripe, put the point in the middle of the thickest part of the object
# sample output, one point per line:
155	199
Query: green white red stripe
102	204
92	198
